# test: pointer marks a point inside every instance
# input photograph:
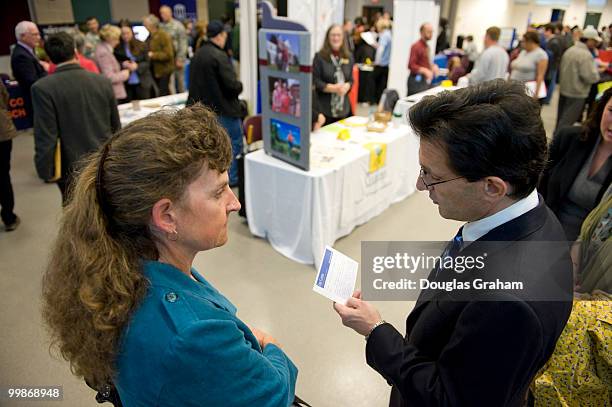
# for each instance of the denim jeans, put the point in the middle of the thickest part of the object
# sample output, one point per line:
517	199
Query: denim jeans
233	126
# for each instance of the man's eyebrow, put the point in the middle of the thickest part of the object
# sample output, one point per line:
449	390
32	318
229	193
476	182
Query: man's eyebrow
221	185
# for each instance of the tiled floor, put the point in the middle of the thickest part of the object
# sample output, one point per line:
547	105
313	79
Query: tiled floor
270	291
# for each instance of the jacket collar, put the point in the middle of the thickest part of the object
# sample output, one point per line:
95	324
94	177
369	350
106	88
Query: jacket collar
68	67
168	276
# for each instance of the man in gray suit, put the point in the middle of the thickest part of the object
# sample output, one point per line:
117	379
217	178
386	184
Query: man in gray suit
72	105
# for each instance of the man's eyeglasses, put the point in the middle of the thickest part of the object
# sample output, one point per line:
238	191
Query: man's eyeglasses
431	185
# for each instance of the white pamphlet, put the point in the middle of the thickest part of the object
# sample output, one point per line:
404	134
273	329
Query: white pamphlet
336	277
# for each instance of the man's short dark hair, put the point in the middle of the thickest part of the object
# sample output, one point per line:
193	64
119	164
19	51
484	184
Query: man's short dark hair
549	27
490	129
494	33
88	19
60	47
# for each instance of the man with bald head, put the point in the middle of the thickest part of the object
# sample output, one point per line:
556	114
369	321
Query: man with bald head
176	30
422	70
26	66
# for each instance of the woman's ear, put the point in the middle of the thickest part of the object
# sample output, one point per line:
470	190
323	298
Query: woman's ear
163	216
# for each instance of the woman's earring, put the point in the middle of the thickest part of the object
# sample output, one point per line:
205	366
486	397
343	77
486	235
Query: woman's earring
173	236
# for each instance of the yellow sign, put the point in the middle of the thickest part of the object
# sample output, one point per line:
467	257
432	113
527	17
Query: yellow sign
344	135
378	155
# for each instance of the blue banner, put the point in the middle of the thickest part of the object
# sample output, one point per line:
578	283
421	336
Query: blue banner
182	9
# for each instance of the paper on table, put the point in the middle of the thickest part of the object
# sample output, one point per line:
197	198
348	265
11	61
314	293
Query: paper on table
336	277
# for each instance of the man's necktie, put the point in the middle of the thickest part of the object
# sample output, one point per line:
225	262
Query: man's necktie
452	249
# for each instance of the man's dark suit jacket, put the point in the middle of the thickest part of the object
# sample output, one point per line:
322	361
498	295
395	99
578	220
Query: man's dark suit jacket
568	153
481	353
77	106
26	70
213	82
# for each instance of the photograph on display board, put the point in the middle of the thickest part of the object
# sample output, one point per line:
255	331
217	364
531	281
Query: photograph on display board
285	139
283	51
285	96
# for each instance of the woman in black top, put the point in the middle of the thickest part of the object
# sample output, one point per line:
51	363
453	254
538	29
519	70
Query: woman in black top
333	76
580	168
133	55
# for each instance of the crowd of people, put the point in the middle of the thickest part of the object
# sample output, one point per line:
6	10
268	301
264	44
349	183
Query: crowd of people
149	197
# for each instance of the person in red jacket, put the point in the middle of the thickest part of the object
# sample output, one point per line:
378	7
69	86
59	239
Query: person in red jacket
422	71
84	62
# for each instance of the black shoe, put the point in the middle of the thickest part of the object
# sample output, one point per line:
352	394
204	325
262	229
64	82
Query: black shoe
12	226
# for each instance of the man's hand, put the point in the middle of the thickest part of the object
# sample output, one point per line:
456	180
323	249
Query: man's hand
179	63
263	338
428	74
358	315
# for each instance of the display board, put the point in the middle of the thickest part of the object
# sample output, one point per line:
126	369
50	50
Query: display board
507	38
285	86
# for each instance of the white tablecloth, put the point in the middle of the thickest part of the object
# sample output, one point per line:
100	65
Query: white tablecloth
127	114
301	212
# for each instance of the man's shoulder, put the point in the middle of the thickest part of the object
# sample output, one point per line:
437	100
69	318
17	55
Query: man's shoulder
19	52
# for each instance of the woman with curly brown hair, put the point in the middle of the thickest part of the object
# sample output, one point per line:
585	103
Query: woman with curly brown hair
123	303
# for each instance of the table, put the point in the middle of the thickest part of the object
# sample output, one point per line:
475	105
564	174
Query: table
404	104
300	212
127	114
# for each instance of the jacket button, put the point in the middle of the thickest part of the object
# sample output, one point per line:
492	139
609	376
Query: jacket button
171	297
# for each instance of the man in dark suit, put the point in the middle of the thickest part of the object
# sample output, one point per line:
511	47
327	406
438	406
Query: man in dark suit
73	105
482	151
213	82
26	67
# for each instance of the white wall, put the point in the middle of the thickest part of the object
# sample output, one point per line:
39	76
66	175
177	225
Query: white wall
475	16
353	8
317	16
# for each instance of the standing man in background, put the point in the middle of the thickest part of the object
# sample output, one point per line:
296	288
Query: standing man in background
578	73
554	49
493	62
73	105
422	70
383	56
92	38
349	42
177	32
7	134
213	82
471	51
161	54
26	66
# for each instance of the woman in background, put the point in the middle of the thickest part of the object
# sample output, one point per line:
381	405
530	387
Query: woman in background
108	64
132	53
531	63
580	167
332	75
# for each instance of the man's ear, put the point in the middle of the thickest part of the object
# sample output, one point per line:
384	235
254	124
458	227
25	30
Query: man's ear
495	188
163	216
